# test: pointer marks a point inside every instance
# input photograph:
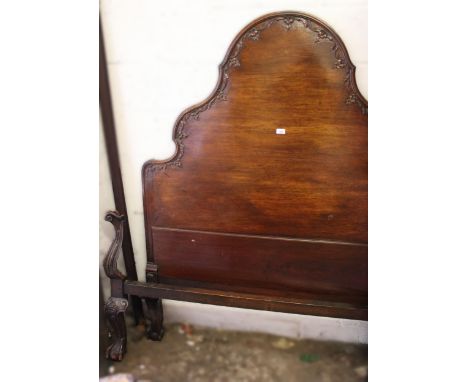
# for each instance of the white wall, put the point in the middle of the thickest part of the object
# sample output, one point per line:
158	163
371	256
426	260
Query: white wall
163	57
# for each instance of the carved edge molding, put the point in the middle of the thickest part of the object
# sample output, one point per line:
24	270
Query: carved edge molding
110	261
343	62
324	34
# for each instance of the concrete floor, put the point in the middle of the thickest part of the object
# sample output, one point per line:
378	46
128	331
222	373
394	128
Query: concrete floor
198	354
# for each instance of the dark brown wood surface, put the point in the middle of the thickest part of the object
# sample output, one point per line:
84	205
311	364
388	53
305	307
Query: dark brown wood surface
314	305
240	207
261	262
107	115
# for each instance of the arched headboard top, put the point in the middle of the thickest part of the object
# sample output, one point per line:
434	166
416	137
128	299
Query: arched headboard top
274	159
320	32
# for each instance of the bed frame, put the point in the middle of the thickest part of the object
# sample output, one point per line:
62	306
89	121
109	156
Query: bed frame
264	203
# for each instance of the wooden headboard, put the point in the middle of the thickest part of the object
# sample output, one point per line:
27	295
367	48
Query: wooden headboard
266	194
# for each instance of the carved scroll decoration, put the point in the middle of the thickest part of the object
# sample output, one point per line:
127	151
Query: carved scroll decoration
232	60
110	261
114	311
343	62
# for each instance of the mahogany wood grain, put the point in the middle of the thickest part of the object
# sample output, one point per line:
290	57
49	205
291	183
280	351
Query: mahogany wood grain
247	300
240	205
261	262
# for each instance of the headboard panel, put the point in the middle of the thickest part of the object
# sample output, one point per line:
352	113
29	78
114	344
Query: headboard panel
242	206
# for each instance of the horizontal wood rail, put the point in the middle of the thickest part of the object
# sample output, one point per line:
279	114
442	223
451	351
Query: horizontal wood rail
245	300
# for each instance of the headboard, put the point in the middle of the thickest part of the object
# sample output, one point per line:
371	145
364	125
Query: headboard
266	194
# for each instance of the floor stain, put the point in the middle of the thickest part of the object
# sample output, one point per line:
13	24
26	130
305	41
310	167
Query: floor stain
195	354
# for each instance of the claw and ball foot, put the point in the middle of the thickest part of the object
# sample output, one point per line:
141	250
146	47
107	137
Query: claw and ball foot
114	311
154	319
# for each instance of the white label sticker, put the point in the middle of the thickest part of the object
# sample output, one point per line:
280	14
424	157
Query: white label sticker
281	131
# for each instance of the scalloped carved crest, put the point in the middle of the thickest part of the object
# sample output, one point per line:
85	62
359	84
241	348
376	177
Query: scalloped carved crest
323	35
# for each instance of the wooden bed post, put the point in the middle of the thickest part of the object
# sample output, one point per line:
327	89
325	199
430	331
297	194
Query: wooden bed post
154	313
116	305
105	102
264	203
154	326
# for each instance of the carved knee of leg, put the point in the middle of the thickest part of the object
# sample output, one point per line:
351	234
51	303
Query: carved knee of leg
115	316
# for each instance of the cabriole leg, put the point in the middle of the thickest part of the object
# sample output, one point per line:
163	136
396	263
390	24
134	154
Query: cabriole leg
114	311
154	319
